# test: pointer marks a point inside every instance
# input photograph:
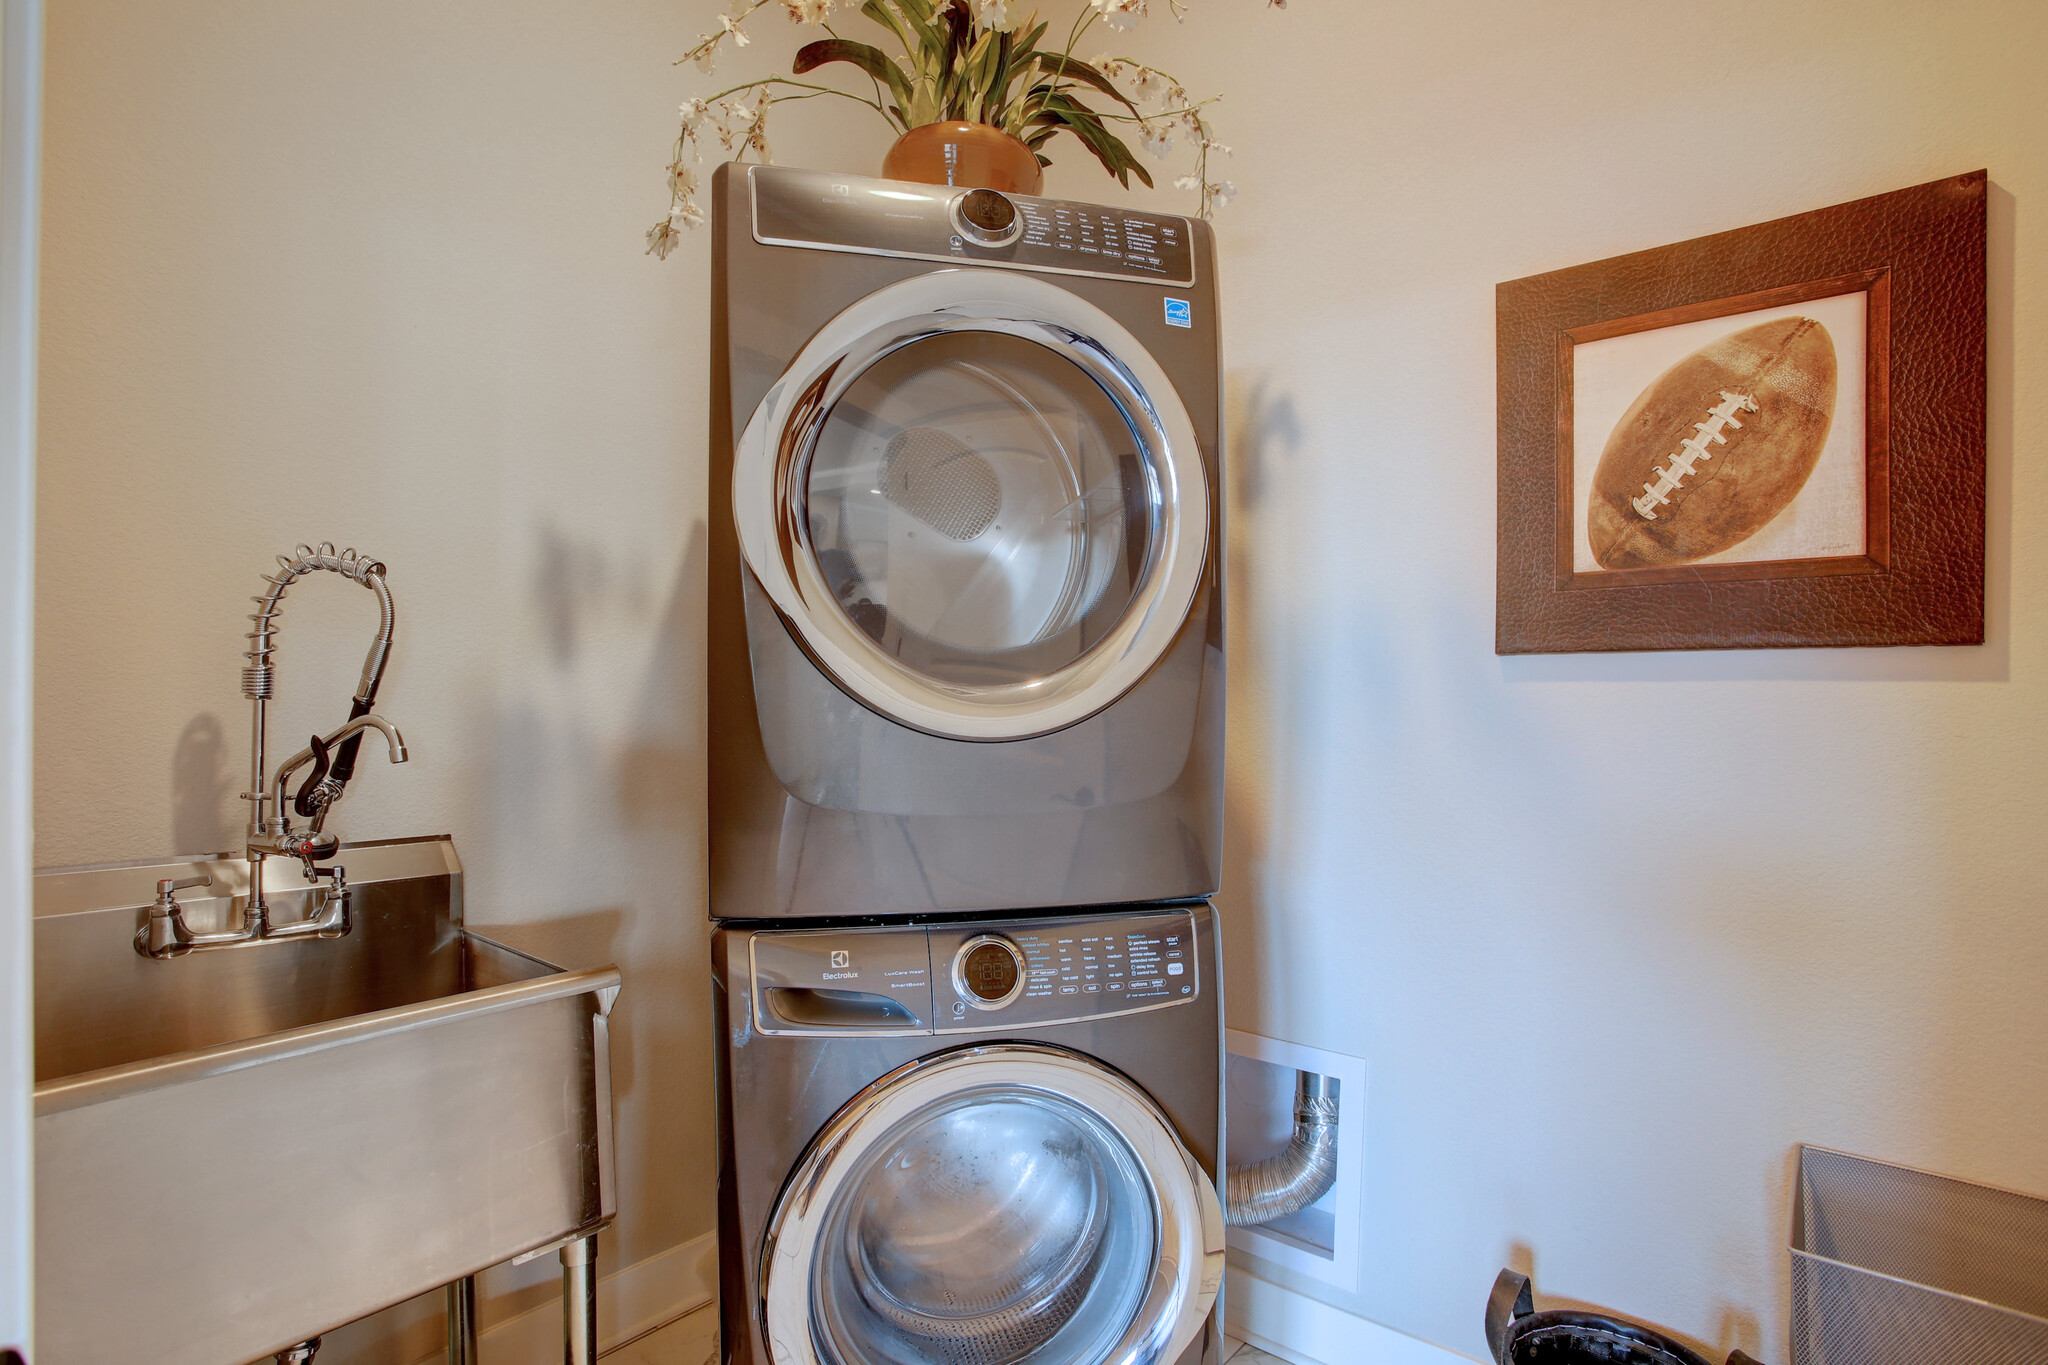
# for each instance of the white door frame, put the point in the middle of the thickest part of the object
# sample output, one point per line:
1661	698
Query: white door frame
21	101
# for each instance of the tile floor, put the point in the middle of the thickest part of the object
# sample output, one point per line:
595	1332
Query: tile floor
690	1340
693	1340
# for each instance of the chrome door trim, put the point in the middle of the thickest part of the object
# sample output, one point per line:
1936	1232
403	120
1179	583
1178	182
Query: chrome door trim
772	462
1189	1273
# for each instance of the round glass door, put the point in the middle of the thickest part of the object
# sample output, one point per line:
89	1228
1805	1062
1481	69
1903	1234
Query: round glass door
978	504
982	1230
981	508
1005	1205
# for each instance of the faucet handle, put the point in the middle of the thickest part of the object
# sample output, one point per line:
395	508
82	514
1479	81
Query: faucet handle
306	802
166	886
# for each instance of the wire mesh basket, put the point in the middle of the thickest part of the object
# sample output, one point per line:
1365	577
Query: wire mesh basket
1891	1265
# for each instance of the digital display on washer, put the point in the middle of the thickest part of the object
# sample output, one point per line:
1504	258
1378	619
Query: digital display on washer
892	218
1079	968
990	971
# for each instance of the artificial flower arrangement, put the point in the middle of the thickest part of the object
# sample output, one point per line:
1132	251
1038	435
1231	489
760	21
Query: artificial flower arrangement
964	62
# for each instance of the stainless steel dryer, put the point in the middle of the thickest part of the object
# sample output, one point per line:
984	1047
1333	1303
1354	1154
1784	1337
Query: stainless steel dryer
971	1143
966	616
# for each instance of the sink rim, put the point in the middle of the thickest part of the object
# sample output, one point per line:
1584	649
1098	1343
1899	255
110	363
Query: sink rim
61	1093
99	887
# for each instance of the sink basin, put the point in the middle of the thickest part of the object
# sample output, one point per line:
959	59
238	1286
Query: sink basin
240	1149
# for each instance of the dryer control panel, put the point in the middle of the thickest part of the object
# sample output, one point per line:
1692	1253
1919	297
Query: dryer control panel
828	212
971	978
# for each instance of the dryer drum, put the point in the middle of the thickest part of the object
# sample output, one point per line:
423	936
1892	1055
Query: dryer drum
977	503
982	1228
988	1206
1022	463
932	475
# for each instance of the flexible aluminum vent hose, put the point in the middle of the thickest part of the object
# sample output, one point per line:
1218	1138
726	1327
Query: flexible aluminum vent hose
1262	1191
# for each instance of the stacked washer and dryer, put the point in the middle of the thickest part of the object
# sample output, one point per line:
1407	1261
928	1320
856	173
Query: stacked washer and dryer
966	742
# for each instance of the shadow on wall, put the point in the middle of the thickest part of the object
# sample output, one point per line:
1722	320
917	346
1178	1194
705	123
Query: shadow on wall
1263	428
658	780
666	751
573	583
199	785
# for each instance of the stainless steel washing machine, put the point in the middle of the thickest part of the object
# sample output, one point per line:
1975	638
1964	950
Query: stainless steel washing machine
966	616
983	1142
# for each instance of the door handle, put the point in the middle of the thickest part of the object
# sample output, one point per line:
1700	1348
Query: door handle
805	1007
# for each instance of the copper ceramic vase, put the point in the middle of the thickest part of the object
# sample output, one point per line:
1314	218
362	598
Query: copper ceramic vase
974	155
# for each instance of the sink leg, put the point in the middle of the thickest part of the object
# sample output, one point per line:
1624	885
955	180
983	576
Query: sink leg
301	1354
462	1321
579	1302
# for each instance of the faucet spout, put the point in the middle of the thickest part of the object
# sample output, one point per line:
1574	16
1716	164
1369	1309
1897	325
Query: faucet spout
394	741
259	677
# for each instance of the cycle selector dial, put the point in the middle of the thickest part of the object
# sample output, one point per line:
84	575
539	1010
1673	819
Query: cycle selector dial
988	972
987	218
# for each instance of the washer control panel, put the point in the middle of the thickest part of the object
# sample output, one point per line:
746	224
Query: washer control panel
971	978
943	223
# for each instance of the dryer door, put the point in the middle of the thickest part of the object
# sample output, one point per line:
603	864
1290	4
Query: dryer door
978	504
989	1206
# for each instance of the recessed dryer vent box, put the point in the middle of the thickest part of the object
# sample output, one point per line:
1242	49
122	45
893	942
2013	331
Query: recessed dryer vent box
1893	1266
1321	1240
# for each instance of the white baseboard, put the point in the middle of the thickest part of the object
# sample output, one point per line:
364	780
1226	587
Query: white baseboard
1300	1329
630	1303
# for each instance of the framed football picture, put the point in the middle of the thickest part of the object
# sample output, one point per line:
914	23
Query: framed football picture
1769	437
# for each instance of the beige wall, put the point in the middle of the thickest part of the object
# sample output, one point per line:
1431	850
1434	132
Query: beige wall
1614	933
372	272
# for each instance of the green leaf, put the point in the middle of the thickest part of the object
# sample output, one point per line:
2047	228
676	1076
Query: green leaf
811	56
916	13
882	15
1061	112
996	92
1073	68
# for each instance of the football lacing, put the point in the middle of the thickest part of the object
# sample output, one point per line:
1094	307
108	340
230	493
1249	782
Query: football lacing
1692	450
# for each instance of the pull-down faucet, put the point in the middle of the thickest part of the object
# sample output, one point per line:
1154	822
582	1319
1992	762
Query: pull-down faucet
333	757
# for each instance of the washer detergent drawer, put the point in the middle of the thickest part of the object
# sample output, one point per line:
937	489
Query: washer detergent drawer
842	981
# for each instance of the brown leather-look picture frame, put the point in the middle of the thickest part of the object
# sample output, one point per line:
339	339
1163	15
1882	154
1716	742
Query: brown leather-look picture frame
1913	263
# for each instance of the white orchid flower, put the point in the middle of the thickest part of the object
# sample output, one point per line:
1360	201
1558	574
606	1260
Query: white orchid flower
1119	14
995	14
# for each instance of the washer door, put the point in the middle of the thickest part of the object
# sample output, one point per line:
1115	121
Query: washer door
992	1206
977	502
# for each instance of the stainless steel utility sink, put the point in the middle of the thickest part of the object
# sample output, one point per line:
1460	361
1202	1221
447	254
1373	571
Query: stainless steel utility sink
238	1150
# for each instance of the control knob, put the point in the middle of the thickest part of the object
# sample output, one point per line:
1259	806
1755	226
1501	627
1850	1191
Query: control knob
988	972
987	218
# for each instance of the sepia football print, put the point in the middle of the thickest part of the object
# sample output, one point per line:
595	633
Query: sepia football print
1723	453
